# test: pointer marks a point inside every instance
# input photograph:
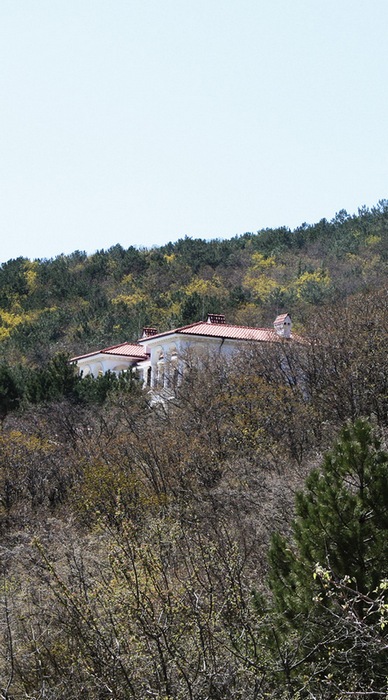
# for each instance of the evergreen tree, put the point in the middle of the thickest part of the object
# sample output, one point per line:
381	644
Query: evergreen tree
328	579
57	380
10	392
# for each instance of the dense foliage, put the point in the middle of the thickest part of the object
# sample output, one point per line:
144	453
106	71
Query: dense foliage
330	579
157	550
77	302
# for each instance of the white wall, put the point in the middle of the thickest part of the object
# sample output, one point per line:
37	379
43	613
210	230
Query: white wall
100	364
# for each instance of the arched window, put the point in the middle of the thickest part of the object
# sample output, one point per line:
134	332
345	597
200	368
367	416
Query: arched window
97	370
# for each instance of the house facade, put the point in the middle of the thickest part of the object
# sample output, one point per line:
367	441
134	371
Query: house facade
117	358
158	358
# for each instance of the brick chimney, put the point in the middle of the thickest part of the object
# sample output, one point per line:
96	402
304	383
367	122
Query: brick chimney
149	332
216	318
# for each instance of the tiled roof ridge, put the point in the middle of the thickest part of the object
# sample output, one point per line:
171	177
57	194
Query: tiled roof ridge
182	329
192	325
108	350
87	354
230	331
119	345
176	330
233	325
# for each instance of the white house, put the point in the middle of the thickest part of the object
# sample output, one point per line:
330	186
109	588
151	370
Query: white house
158	357
116	358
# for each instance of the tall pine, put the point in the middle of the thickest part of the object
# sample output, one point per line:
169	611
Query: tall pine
328	578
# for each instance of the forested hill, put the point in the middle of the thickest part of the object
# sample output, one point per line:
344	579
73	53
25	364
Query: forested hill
77	302
230	543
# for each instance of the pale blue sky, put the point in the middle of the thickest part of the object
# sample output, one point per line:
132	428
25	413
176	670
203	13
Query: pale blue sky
142	121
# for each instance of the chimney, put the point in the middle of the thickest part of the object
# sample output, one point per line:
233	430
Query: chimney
216	318
282	325
149	332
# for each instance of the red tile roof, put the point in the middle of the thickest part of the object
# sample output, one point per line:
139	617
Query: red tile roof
205	329
128	350
223	330
123	350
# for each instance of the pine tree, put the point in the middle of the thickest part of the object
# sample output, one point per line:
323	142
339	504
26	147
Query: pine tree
328	580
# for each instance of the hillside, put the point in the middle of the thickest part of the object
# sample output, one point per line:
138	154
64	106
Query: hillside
77	302
231	543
